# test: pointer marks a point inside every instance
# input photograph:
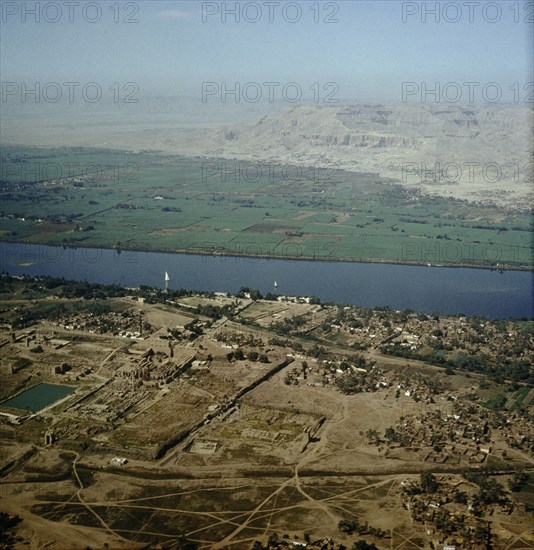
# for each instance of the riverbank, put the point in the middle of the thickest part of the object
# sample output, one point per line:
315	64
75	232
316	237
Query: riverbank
289	257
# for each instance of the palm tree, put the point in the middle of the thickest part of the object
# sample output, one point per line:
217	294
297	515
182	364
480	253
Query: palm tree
372	435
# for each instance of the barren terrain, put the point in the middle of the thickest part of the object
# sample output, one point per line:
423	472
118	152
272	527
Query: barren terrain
472	152
280	421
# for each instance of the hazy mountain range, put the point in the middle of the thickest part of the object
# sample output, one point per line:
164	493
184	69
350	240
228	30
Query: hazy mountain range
484	152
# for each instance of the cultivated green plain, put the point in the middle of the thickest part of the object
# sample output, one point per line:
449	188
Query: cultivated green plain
148	201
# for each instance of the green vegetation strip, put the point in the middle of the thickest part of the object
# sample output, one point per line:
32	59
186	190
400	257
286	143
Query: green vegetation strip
177	204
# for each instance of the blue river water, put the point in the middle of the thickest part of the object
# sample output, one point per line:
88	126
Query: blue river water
426	289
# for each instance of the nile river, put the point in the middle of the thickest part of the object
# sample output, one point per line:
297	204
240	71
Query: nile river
421	288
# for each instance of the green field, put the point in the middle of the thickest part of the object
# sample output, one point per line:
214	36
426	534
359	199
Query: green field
148	201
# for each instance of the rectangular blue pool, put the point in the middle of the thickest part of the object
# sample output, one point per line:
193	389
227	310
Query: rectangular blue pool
38	397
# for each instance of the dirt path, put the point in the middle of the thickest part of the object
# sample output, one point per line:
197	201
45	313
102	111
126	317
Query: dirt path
107	358
251	515
314	453
79	495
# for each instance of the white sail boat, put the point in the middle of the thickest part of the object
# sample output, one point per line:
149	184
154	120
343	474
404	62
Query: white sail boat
167	279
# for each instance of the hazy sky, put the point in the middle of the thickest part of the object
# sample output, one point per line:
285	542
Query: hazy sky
368	53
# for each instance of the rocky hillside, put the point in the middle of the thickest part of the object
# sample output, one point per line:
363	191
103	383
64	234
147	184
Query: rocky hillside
479	153
476	152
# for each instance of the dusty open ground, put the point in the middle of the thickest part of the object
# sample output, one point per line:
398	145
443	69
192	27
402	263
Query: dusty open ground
234	430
